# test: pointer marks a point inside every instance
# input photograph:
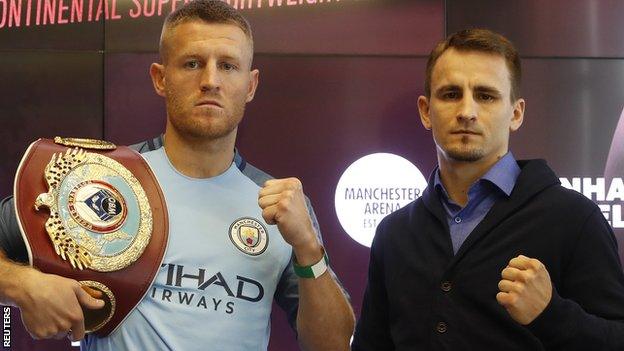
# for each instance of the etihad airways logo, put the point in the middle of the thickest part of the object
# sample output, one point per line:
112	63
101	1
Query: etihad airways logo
213	291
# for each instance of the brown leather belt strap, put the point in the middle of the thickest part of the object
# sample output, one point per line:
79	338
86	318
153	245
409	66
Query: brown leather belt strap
129	284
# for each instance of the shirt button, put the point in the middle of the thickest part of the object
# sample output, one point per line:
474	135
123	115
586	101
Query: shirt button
446	286
441	327
457	219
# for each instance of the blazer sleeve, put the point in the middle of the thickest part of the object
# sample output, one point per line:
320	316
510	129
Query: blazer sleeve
587	313
373	330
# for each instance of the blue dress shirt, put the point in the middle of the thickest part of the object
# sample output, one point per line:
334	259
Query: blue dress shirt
497	183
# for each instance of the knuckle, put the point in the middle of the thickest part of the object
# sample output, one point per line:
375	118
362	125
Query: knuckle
292	183
74	317
66	325
283	204
522	277
265	215
500	297
534	264
75	285
297	183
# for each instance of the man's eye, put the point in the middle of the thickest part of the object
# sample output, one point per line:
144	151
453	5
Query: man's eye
485	97
228	66
451	95
191	64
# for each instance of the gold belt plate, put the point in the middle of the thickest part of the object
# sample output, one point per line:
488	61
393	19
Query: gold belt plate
100	216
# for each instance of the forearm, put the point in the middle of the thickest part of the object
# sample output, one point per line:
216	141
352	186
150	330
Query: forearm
14	268
11	274
325	319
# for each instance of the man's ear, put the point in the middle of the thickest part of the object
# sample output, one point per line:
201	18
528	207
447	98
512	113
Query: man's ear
254	75
157	72
518	115
423	109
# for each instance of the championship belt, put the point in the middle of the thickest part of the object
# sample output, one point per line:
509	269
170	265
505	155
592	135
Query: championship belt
94	212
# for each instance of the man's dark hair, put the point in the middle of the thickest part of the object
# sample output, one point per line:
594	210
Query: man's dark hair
481	40
209	11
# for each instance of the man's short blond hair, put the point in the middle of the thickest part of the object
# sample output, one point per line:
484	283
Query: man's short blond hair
209	11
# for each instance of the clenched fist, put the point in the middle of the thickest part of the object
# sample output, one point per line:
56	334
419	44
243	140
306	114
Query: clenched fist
283	203
525	289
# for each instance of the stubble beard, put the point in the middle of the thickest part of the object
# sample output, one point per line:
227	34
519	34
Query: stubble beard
465	153
217	125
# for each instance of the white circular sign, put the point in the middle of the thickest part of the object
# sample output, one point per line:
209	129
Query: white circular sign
373	187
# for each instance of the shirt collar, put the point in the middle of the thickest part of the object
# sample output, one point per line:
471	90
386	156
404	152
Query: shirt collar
503	175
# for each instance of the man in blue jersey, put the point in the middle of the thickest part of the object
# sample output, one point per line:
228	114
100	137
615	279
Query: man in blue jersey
213	288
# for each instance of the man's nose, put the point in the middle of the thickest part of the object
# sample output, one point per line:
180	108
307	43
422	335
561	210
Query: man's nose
468	109
210	78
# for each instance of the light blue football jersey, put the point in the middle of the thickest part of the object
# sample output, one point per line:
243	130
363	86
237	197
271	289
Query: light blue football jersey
220	272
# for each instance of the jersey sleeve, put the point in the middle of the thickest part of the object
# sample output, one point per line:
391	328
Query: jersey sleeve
11	241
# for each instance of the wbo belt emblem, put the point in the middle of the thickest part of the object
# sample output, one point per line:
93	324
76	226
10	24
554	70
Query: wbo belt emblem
249	236
100	216
97	206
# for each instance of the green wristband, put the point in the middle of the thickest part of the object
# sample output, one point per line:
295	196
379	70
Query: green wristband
313	271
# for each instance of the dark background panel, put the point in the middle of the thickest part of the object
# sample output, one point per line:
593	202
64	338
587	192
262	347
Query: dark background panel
572	109
49	94
139	28
50	34
133	111
591	28
393	27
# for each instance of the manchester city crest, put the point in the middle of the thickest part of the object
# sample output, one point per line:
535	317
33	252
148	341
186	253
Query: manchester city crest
249	236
